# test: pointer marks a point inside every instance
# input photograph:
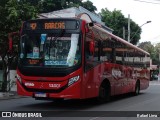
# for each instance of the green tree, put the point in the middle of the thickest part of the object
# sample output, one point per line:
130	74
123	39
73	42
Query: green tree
45	6
157	52
13	13
147	46
116	20
153	50
89	6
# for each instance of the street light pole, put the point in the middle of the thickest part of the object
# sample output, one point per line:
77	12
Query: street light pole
139	28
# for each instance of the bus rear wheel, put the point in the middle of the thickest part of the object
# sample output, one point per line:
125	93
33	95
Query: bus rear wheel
137	88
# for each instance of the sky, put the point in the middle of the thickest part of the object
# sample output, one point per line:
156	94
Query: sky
140	13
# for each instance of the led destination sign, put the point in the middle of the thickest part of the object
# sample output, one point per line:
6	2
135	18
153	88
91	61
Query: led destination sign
51	25
54	25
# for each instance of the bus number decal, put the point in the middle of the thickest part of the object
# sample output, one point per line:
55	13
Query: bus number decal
55	85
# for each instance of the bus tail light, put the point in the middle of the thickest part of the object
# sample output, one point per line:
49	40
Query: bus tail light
73	80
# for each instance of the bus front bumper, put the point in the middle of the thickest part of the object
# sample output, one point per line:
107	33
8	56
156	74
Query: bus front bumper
71	92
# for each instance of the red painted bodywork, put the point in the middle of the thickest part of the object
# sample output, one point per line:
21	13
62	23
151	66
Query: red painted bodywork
88	85
89	82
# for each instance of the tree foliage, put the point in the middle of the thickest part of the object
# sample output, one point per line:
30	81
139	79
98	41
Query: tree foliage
116	20
44	6
157	52
153	50
147	46
89	5
14	12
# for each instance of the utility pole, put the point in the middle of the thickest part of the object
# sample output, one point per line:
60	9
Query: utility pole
159	64
129	31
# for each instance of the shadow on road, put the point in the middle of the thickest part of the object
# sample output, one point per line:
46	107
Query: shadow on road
72	104
63	105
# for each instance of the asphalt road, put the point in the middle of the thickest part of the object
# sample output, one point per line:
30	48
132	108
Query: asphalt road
119	108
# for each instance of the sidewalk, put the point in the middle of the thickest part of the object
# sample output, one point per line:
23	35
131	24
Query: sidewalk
9	95
13	93
154	82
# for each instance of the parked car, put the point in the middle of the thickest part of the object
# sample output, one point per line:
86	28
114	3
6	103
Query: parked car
154	77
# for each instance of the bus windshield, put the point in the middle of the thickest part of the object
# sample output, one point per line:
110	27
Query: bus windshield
50	50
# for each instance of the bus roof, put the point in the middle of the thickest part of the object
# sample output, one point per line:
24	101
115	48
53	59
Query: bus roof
120	39
74	12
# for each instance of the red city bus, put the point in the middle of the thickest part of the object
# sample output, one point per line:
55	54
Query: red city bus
68	58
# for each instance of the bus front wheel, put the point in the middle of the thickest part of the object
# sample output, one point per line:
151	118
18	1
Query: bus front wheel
104	93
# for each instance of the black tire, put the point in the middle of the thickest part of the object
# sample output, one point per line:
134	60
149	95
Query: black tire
104	93
137	88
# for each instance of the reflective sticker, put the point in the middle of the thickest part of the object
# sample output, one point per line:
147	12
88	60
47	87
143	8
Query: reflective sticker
35	52
43	38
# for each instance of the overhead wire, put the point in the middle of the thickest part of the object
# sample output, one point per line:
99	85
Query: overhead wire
155	0
149	1
153	39
156	37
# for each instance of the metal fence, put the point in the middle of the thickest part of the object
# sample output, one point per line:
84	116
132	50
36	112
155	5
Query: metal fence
11	79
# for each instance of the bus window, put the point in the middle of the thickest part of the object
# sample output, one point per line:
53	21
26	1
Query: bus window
108	51
91	57
139	60
120	51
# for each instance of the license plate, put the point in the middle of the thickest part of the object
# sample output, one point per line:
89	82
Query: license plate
40	95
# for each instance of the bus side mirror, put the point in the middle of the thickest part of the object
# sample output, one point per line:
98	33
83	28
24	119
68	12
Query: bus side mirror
88	27
91	47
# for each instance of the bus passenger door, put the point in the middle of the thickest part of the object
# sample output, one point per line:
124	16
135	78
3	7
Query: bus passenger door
91	69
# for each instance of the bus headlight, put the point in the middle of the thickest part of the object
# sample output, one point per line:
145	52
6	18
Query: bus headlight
73	80
19	78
